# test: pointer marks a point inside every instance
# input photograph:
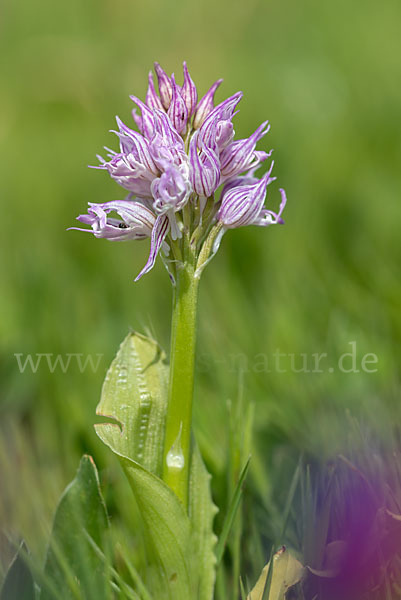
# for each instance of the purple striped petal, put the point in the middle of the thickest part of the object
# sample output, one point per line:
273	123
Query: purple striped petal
242	205
217	120
225	110
158	236
224	134
205	105
188	92
132	142
240	156
130	174
164	127
152	99
165	86
167	146
136	222
146	122
268	217
170	191
205	169
178	111
247	179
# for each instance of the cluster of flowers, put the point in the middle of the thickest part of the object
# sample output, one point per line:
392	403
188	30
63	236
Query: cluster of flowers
184	152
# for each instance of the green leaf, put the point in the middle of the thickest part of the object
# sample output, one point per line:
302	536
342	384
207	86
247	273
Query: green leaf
18	583
202	512
243	592
118	582
232	511
71	564
287	571
169	531
135	394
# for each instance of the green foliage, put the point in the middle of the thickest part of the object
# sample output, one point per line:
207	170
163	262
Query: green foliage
134	394
230	526
72	567
201	513
231	513
18	583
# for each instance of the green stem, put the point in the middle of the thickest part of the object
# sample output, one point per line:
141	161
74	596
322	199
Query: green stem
182	365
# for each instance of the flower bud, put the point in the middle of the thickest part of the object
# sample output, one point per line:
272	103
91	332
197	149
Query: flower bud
188	92
165	87
205	169
177	111
243	205
205	105
152	99
241	155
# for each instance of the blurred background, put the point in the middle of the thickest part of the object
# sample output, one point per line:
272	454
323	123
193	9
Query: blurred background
327	76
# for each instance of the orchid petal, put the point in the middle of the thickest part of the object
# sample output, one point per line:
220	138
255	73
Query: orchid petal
240	156
205	105
146	123
165	87
205	168
152	99
242	205
188	92
178	111
159	233
136	221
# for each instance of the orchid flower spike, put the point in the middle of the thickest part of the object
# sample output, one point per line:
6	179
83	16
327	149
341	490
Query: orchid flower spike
173	168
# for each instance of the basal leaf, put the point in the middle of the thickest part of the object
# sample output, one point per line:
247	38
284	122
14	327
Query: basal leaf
135	394
18	583
71	564
169	531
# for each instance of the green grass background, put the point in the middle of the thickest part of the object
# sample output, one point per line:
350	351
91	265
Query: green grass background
327	76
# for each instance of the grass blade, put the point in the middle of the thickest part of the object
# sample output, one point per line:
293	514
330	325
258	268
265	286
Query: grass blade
232	511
